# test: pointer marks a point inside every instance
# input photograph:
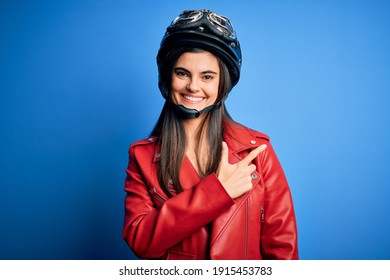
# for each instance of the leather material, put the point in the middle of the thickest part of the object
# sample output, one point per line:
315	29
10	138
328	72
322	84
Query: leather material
203	222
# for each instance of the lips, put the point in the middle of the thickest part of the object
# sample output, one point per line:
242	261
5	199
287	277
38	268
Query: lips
192	99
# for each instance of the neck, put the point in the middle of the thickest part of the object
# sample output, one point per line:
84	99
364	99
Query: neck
192	128
197	147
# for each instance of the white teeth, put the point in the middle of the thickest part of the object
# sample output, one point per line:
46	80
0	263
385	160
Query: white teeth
193	99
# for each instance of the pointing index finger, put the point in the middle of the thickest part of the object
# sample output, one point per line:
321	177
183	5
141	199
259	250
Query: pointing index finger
253	154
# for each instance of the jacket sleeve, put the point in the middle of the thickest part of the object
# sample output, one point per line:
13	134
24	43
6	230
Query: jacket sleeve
150	232
279	231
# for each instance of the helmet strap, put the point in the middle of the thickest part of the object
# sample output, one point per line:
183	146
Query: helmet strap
187	113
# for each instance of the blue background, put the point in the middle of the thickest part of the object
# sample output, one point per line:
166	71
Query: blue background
78	84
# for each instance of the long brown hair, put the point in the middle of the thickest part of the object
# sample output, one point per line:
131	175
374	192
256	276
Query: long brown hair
171	135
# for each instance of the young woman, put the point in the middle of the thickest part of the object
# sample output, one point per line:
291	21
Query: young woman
203	186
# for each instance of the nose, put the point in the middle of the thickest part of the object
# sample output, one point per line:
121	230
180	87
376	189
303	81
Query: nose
193	85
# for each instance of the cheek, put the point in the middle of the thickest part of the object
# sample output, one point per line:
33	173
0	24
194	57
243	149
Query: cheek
176	84
213	89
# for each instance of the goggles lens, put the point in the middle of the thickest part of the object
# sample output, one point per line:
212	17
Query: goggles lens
187	17
223	24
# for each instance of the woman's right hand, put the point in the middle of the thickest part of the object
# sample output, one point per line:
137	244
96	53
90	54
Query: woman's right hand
236	178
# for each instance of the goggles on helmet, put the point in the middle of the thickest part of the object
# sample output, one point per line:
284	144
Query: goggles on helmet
221	23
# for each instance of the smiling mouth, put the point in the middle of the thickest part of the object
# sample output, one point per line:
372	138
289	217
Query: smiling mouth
192	99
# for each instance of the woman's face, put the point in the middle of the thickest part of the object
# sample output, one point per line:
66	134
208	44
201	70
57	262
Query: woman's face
195	80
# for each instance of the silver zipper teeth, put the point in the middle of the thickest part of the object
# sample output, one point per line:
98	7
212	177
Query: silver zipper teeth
159	197
262	213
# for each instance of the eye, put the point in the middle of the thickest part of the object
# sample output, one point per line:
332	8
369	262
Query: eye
208	77
181	73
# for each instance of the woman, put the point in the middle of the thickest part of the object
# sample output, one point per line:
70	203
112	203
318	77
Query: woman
203	186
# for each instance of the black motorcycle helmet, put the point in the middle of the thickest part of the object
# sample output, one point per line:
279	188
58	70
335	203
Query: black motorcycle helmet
202	29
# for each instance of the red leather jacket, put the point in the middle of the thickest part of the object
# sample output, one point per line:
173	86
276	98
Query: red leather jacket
203	222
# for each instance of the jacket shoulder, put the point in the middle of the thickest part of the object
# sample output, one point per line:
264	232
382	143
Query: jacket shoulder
143	142
259	134
243	132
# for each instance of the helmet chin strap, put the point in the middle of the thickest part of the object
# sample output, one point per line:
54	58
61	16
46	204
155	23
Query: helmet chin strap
187	113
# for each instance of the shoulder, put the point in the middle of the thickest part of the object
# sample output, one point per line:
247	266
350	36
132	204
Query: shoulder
145	147
147	141
240	131
259	134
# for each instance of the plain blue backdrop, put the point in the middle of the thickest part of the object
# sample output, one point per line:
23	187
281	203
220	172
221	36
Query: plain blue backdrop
78	84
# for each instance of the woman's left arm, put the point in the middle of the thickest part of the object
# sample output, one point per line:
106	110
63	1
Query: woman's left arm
279	230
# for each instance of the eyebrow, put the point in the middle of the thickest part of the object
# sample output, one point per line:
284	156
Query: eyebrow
204	72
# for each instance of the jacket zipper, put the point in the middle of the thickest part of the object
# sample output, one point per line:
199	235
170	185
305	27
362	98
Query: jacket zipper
156	195
246	230
262	214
